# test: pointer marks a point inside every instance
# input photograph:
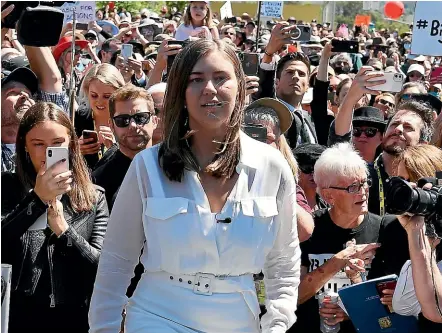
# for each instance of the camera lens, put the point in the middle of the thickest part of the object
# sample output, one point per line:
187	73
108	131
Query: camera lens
50	153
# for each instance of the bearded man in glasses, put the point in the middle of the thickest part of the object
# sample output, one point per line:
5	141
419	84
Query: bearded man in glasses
133	121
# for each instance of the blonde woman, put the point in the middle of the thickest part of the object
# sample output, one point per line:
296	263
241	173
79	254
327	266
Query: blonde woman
98	85
197	22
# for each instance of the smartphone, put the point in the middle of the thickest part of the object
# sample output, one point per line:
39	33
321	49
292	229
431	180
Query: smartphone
301	33
126	51
436	75
348	46
250	63
386	285
256	132
90	134
394	82
55	154
81	26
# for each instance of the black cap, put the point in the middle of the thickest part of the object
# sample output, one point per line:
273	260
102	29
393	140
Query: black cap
371	116
307	154
429	99
23	75
14	63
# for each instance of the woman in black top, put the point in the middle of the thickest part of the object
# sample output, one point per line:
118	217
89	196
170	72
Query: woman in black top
98	85
53	226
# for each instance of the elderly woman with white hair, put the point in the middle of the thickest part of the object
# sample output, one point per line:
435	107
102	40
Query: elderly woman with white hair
342	63
341	176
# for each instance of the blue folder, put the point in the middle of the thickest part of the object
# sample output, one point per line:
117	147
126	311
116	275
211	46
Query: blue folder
368	314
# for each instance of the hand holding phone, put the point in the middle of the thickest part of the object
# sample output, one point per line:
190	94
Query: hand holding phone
386	292
88	143
393	82
348	46
54	177
250	63
126	51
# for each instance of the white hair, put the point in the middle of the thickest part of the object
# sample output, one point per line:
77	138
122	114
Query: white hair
157	88
342	57
340	160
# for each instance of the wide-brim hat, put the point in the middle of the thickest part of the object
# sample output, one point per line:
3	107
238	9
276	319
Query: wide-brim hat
371	116
64	43
105	23
284	115
23	75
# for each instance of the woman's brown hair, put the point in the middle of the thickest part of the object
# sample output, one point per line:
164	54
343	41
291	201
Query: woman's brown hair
83	194
175	154
437	133
421	161
208	21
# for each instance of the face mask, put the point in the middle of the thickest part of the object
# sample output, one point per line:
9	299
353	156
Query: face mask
342	70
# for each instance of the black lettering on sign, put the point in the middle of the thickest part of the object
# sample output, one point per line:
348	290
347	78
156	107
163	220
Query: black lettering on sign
435	28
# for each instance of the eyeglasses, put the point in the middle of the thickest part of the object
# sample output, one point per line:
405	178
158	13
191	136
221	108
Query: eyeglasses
140	119
354	188
229	33
387	103
369	132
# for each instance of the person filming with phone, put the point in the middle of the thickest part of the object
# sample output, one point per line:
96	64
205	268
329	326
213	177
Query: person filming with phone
53	225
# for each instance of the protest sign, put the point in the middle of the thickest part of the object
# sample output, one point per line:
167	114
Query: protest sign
271	8
84	10
427	29
361	20
226	10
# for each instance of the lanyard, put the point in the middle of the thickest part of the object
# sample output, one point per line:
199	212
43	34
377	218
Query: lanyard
381	189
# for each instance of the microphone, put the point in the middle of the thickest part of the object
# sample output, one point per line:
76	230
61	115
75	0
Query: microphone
226	220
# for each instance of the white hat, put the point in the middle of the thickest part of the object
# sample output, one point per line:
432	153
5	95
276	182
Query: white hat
414	57
416	68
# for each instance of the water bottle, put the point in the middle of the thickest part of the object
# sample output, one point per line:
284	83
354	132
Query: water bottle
330	297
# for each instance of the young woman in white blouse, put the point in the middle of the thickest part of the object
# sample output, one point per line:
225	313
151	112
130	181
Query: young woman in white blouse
197	22
211	207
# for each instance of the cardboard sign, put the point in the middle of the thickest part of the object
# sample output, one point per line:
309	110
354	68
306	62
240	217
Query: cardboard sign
361	20
271	8
427	29
226	10
84	10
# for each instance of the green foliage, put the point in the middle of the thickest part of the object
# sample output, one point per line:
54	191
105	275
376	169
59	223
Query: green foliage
134	7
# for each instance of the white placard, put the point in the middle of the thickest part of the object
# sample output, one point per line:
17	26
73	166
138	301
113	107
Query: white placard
272	8
427	29
226	10
85	11
6	292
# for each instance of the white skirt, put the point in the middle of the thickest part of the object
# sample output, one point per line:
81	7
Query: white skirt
159	306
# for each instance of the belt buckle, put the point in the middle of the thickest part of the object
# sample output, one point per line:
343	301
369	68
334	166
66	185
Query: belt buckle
203	284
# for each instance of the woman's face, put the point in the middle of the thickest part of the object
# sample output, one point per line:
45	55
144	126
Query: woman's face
99	94
211	93
43	135
415	76
344	91
198	10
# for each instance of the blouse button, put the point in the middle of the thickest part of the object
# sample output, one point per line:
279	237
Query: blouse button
171	277
180	279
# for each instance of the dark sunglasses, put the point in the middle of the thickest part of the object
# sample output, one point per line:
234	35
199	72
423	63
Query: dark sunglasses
369	132
229	33
387	103
140	119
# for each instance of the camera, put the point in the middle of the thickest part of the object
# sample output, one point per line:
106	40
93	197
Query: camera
403	198
50	153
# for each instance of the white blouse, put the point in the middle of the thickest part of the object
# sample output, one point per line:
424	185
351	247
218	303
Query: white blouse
182	236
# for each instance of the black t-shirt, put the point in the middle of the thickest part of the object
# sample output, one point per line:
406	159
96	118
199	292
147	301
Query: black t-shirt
111	174
327	240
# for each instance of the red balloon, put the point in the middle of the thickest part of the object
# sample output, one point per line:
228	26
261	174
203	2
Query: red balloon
394	9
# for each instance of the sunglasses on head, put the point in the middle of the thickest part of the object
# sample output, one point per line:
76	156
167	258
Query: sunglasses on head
369	132
387	103
140	119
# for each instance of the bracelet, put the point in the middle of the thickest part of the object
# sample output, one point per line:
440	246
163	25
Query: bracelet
268	54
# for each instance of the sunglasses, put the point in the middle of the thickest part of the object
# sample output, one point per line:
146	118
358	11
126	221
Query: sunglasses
229	33
354	188
140	119
387	103
369	132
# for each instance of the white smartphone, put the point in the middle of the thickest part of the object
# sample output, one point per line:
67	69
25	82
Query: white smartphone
126	51
394	82
55	154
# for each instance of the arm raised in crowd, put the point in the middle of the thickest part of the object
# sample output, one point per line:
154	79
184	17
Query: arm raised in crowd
165	50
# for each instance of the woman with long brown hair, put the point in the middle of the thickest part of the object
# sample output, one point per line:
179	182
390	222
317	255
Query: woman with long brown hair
211	206
53	225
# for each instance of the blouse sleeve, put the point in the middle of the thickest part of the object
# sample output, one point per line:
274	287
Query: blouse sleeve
119	255
405	301
282	267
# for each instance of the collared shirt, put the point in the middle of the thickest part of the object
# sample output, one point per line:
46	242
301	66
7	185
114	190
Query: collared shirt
304	123
183	237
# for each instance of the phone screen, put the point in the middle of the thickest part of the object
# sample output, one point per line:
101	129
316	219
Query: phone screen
250	63
90	134
126	51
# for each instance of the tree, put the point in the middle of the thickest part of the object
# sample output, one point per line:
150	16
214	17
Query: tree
134	7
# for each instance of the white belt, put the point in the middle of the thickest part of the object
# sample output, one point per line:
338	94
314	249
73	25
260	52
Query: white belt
206	284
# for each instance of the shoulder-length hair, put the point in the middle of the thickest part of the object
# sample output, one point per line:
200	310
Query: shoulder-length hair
421	161
175	154
83	194
208	20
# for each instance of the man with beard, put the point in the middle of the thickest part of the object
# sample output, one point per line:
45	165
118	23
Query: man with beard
133	121
411	124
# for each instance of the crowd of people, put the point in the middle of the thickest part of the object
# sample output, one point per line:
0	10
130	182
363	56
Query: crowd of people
196	197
